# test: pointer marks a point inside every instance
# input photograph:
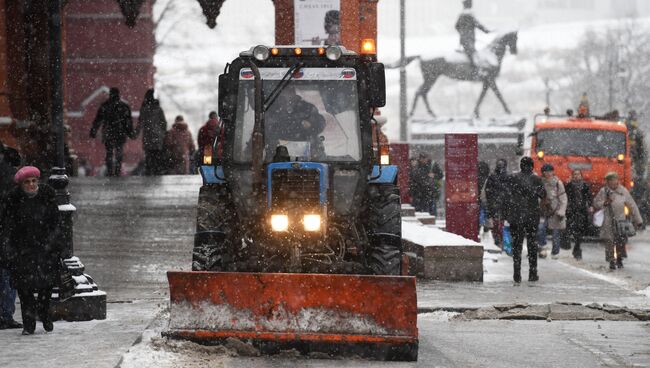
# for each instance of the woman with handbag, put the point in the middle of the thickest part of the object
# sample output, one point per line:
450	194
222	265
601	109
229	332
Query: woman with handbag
31	237
613	199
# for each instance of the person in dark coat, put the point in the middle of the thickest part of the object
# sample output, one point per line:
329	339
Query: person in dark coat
466	26
180	146
496	194
114	118
578	210
31	238
208	133
9	159
526	191
153	125
292	118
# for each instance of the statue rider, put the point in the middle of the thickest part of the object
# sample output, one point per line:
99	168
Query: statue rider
465	25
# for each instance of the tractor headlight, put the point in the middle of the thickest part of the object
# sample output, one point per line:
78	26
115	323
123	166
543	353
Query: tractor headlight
279	222
261	52
333	53
311	222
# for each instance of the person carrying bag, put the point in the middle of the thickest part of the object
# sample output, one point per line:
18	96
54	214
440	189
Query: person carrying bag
614	199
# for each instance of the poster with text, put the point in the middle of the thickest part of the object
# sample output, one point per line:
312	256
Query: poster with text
317	22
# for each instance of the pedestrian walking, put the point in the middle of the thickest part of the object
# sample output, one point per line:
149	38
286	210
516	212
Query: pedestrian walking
483	172
180	145
114	118
434	181
617	204
578	209
523	213
422	185
31	237
208	134
496	194
153	125
9	159
553	211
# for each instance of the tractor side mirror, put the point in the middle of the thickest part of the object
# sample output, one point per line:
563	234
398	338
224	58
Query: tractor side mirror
226	107
377	85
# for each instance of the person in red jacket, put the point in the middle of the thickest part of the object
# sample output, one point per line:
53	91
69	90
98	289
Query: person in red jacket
180	146
208	132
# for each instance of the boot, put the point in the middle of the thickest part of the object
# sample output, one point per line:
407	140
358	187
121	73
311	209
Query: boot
532	276
612	265
517	278
619	262
48	325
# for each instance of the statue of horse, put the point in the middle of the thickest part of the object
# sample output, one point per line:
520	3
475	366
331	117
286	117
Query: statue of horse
458	67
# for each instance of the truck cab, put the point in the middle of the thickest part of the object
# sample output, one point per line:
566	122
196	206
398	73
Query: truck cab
593	146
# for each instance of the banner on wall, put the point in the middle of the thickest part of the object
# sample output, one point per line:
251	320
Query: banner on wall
316	22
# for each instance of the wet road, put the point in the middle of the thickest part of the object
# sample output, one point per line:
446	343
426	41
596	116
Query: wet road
130	231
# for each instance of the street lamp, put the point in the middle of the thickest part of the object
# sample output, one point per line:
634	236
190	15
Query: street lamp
88	302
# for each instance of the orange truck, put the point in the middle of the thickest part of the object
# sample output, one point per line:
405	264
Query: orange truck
592	145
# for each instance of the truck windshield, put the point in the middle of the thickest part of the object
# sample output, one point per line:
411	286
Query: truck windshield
316	116
581	142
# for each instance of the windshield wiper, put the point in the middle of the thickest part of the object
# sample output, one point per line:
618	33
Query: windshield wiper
288	76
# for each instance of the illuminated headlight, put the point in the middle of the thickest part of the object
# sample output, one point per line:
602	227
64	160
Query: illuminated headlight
621	157
540	154
279	222
384	159
333	53
261	53
311	222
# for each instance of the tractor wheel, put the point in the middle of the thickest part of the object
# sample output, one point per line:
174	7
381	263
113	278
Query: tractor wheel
215	227
384	229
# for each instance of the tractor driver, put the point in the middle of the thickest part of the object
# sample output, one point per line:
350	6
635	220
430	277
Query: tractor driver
291	118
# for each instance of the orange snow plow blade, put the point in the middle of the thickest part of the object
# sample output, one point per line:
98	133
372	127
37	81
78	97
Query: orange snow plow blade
369	316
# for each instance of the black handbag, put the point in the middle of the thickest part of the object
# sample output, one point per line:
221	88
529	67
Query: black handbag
66	282
625	228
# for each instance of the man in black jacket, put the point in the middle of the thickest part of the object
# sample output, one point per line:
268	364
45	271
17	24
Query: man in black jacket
496	194
114	117
526	190
579	206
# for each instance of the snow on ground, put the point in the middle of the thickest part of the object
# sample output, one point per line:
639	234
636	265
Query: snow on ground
428	236
153	350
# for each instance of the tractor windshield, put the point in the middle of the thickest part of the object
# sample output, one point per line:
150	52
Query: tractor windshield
581	142
316	115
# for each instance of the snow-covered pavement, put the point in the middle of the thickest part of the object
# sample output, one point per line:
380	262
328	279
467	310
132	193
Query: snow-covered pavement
130	231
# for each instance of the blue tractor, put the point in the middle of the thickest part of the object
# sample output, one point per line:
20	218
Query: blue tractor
294	182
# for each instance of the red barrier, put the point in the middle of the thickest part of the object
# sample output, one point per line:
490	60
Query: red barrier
461	188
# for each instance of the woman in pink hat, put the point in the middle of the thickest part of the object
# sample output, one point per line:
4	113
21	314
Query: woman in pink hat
31	239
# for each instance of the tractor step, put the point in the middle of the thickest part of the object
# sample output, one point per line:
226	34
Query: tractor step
369	316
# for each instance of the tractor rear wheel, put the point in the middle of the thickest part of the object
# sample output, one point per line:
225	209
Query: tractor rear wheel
384	229
215	230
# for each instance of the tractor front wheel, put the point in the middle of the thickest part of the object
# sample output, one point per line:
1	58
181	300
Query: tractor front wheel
215	228
384	228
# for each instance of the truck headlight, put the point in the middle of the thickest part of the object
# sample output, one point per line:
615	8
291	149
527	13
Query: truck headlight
311	222
279	222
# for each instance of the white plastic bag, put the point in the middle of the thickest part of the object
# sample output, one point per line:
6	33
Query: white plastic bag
599	218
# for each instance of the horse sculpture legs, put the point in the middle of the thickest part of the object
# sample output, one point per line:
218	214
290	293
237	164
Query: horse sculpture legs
491	84
422	92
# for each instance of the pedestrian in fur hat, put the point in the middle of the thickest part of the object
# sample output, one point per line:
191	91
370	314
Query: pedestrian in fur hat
31	242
